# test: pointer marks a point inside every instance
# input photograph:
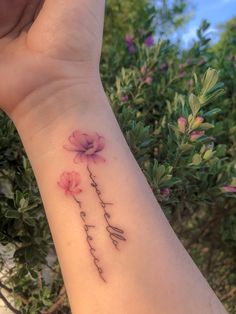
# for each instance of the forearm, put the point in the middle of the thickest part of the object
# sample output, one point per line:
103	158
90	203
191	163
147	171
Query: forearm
117	252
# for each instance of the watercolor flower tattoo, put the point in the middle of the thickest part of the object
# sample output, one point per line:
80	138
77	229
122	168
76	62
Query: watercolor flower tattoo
87	148
70	183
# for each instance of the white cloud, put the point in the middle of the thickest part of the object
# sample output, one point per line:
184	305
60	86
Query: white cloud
212	30
190	34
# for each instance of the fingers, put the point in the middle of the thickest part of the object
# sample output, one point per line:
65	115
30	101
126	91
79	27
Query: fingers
16	16
27	17
10	17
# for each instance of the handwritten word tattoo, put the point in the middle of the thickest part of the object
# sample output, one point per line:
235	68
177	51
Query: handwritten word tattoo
115	233
87	148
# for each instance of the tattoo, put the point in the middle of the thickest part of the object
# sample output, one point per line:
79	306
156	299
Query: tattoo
70	182
87	149
115	233
89	239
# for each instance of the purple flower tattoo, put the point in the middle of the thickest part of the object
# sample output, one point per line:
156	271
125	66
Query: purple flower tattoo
86	146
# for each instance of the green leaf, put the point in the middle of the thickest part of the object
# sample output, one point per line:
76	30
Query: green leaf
25	163
6	188
218	86
146	142
170	183
206	126
195	79
33	274
18	197
197	159
166	178
233	181
160	172
175	129
12	214
208	154
209	80
186	147
212	112
29	221
194	104
221	150
23	202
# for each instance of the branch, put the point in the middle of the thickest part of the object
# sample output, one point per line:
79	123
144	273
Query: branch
8	304
228	294
9	290
59	302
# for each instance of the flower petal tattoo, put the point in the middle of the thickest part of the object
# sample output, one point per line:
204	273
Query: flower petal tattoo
88	149
86	146
69	182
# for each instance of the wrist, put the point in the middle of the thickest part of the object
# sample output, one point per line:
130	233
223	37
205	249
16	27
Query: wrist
48	104
49	114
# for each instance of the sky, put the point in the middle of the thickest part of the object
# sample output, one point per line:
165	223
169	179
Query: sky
215	11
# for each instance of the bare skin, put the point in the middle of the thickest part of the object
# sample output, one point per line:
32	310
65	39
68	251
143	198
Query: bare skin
126	257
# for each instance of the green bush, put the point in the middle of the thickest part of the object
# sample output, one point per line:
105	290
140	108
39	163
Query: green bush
177	111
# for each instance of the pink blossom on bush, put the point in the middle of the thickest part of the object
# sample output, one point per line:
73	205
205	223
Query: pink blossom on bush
197	122
190	83
195	135
165	193
189	61
130	44
132	49
143	69
182	74
229	188
129	40
124	98
148	80
149	41
201	62
164	67
182	122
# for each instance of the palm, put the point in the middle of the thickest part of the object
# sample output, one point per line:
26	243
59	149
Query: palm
40	38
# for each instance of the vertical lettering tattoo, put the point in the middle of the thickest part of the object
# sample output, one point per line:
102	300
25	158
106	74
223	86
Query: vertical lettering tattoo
70	183
115	233
87	149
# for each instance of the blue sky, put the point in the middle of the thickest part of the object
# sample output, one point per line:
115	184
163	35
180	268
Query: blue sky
215	11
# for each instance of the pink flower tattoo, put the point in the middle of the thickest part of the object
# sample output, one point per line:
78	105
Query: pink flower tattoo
70	183
86	146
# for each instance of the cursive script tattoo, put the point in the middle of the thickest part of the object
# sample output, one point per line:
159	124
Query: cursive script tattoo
115	233
89	239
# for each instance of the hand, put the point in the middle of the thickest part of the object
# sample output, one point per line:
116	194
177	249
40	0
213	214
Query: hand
42	42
